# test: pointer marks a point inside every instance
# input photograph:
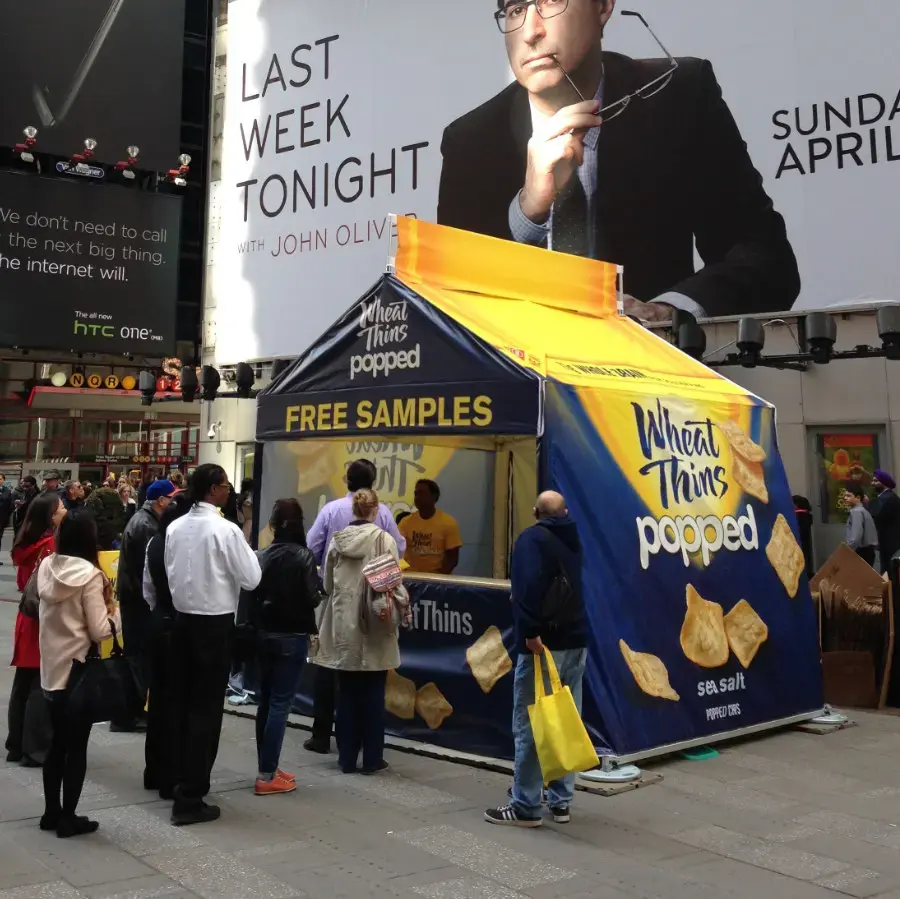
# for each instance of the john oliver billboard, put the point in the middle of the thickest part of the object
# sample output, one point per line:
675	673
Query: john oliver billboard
110	70
85	267
714	149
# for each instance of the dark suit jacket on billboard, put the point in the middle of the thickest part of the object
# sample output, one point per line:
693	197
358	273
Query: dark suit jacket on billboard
671	170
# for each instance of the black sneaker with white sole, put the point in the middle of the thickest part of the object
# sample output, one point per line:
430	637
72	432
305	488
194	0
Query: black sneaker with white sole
508	816
560	814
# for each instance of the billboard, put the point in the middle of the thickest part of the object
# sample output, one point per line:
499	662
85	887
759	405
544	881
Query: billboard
103	69
90	268
722	186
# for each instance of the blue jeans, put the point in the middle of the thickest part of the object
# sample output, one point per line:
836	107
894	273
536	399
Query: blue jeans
281	658
528	780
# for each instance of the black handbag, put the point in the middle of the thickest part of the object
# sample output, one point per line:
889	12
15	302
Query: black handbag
103	689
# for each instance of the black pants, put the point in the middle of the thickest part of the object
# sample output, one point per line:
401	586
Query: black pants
66	763
867	554
202	647
159	757
360	719
137	634
324	696
28	717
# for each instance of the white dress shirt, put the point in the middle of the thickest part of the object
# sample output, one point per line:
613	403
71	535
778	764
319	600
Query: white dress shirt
208	563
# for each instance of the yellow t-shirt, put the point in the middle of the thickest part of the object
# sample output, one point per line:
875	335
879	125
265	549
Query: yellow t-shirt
427	539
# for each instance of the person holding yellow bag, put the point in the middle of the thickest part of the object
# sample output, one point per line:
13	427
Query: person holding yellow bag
548	613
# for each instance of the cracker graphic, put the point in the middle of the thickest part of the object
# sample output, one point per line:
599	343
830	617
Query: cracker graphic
703	632
488	659
750	477
400	696
785	555
649	673
740	442
432	706
746	632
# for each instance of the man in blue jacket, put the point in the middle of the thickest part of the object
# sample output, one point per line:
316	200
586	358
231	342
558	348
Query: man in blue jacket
548	612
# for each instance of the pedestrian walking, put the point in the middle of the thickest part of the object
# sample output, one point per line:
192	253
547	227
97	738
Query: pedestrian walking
28	739
334	517
548	612
208	563
361	651
282	612
159	756
77	608
860	533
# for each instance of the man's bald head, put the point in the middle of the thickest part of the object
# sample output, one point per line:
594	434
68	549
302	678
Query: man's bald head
550	504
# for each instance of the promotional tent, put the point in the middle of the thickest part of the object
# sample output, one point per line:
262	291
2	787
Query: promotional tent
701	620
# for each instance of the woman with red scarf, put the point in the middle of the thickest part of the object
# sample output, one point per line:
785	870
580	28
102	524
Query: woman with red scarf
29	737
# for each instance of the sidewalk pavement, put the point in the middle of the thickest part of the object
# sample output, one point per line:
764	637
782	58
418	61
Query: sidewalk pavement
789	816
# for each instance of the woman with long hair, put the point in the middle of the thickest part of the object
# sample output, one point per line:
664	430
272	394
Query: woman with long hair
159	762
359	649
29	739
283	611
77	609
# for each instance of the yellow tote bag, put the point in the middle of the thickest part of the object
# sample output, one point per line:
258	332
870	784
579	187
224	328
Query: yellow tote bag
560	737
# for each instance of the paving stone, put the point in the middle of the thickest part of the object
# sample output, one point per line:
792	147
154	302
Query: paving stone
512	869
467	888
772	856
141	832
56	889
216	875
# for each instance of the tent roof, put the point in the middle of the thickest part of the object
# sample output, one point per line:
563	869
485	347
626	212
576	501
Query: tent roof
465	322
553	313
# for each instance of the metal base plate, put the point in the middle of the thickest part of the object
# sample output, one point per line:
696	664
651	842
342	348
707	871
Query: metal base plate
615	775
830	718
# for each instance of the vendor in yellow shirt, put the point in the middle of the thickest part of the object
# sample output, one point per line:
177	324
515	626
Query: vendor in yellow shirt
432	536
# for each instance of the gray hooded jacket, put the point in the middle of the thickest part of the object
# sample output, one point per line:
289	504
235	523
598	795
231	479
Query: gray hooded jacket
342	644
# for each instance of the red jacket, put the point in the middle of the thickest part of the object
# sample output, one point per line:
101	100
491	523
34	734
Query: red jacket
26	649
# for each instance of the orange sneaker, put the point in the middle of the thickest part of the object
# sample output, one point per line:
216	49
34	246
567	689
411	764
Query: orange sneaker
274	786
286	775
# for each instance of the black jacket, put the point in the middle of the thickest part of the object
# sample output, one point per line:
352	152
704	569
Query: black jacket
542	552
671	169
885	509
288	593
156	565
132	553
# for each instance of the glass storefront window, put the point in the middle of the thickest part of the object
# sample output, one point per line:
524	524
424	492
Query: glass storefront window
91	440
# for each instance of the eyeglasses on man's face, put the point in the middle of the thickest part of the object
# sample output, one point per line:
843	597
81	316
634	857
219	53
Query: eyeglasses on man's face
512	16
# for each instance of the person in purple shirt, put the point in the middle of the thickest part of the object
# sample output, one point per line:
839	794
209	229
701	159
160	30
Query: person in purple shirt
337	514
334	517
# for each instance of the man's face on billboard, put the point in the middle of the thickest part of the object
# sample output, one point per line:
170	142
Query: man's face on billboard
570	31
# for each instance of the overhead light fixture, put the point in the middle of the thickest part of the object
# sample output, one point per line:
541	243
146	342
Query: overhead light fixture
210	380
244	379
821	333
147	387
25	149
888	320
750	341
279	367
690	338
178	176
80	160
126	166
190	383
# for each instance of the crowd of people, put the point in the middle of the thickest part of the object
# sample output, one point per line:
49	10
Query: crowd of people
192	597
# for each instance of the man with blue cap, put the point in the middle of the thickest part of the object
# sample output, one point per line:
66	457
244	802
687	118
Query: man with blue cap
144	525
885	509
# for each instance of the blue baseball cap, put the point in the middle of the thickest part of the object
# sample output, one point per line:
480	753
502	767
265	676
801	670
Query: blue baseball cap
159	489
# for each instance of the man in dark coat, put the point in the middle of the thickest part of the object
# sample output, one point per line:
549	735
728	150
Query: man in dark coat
144	525
885	509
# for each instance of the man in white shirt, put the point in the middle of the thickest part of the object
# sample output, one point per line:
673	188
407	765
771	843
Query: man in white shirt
208	563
